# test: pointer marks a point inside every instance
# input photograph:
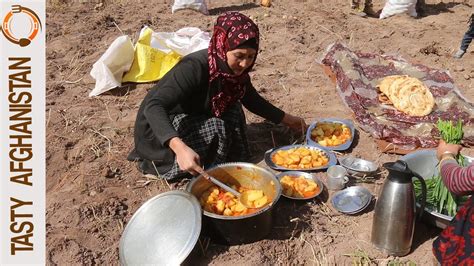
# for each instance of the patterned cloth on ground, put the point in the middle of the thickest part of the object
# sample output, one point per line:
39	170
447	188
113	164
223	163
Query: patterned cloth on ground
357	76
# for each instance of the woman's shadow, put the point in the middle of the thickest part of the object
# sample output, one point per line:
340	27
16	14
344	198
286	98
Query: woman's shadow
219	10
264	136
424	232
438	8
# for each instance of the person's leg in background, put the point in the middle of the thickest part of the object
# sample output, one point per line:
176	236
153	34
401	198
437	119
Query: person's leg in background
466	40
358	7
368	8
420	4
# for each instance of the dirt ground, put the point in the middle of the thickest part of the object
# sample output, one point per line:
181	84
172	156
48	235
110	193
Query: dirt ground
92	191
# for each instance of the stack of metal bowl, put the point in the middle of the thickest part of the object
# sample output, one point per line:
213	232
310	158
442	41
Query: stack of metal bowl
357	167
351	200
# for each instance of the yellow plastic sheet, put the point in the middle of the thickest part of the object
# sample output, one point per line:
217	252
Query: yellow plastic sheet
149	64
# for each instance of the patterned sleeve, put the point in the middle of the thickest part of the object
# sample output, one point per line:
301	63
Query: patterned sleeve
457	179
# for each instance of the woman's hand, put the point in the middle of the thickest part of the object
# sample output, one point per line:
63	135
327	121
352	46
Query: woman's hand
188	160
295	123
444	148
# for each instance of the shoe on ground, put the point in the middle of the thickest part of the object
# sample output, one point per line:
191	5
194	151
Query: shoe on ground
359	13
459	54
151	176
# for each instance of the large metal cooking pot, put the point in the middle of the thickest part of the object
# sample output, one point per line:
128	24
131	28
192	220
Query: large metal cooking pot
424	162
249	228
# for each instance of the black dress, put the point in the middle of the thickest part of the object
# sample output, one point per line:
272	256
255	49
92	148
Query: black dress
179	105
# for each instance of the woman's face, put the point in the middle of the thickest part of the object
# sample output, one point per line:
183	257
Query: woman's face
240	59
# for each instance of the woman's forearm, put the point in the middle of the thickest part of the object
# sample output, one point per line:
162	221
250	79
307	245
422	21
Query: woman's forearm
176	145
459	180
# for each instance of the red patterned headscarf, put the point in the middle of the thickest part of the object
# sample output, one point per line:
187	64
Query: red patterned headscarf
231	30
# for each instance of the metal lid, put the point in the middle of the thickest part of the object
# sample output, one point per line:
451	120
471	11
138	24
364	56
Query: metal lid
163	231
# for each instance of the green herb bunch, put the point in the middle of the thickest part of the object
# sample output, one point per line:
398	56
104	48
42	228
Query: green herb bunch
438	194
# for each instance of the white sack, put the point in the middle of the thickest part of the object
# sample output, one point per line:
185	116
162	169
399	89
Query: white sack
394	7
184	41
111	66
198	5
118	58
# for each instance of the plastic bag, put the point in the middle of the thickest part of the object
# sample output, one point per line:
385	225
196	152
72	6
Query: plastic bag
394	7
198	5
109	69
151	63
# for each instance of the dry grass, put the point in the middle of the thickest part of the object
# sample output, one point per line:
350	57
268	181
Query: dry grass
360	258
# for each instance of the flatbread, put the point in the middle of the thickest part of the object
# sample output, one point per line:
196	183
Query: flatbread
408	94
386	82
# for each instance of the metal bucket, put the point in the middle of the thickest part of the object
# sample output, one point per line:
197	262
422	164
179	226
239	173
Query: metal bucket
234	230
424	162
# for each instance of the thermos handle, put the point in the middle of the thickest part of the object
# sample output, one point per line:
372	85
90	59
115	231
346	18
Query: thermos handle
423	194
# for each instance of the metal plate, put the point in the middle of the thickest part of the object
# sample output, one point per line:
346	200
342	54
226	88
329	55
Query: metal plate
269	154
305	175
424	162
351	200
343	146
357	165
163	231
361	209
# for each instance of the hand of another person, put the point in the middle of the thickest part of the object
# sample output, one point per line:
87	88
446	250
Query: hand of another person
295	123
187	159
444	148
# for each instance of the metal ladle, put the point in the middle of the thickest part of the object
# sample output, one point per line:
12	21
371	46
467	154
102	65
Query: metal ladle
242	197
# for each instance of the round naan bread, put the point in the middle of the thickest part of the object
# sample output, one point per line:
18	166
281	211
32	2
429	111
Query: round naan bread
408	94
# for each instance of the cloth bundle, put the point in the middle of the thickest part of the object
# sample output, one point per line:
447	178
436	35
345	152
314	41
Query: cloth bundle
198	5
394	7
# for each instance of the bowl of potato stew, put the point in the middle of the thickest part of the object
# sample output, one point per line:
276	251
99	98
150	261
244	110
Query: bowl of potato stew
299	185
331	134
299	158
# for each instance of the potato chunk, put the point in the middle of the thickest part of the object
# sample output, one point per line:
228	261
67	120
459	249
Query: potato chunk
298	186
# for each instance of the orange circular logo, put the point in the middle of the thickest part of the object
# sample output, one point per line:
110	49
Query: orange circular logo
8	23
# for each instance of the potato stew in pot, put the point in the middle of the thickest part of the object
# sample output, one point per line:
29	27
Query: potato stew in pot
219	201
